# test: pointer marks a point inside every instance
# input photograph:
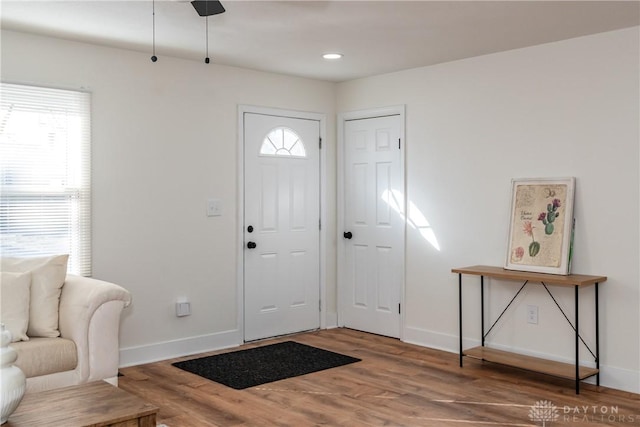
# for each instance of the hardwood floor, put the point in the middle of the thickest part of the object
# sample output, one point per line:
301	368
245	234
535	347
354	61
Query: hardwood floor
395	384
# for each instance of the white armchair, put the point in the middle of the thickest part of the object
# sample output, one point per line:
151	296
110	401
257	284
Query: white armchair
87	349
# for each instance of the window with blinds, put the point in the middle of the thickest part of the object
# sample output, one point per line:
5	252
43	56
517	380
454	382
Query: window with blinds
45	182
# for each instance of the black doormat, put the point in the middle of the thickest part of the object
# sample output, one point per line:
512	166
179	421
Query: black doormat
261	365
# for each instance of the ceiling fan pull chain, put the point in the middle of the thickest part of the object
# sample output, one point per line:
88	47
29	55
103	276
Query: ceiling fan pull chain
206	20
154	58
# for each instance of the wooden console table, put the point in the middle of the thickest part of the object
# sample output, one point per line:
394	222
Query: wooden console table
558	369
96	404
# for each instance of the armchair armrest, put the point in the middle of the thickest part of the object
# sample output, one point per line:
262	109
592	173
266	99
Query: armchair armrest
90	316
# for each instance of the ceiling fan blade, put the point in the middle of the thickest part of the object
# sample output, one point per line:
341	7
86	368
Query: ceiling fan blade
208	7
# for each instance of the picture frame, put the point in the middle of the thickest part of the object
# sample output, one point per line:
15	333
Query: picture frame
541	225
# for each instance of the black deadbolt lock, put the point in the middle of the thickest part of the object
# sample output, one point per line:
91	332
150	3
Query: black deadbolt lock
250	229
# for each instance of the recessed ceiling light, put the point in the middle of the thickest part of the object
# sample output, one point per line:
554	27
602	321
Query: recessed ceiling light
332	56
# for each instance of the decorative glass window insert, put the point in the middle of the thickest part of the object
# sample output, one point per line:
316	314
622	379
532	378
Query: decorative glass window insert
282	141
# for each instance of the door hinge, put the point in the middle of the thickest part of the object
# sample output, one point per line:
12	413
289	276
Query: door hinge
399	311
398	143
319	305
320	142
320	224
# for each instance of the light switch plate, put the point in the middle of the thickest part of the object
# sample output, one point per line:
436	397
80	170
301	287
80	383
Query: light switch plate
214	207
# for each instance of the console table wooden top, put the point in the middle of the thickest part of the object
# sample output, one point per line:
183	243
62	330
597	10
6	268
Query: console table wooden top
552	279
94	404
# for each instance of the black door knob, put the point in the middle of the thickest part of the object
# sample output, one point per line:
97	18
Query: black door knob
251	245
347	235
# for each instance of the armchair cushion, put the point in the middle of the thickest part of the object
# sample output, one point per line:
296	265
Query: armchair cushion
43	356
47	277
14	305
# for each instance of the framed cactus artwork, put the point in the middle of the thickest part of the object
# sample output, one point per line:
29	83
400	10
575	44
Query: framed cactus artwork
542	224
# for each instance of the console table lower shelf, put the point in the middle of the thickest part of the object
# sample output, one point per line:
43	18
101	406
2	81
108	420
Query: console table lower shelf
530	363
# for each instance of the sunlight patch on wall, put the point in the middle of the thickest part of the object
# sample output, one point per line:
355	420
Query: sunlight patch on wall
416	219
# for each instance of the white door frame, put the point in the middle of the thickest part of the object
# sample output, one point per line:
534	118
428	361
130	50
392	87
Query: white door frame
341	274
242	109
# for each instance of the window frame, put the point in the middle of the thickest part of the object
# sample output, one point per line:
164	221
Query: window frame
22	191
282	151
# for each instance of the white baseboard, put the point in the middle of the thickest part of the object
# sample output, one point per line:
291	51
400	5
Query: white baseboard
431	339
618	378
131	356
610	376
331	320
138	355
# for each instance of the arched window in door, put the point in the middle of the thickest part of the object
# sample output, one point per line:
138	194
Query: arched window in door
282	141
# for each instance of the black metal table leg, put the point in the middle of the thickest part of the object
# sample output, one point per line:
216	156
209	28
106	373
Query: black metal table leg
597	337
460	314
482	307
577	345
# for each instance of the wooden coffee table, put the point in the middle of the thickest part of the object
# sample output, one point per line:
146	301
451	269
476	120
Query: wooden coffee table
96	404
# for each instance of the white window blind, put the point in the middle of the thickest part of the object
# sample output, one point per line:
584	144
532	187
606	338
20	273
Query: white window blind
45	200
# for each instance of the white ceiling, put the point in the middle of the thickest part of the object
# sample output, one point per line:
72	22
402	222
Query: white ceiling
289	36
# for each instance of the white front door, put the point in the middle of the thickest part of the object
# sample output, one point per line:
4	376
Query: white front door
281	225
373	220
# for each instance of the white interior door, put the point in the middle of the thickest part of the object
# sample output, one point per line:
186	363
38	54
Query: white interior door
281	225
373	236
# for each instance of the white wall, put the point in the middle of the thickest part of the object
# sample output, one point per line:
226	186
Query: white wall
164	140
563	109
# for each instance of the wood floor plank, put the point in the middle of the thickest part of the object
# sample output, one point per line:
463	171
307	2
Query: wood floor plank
395	384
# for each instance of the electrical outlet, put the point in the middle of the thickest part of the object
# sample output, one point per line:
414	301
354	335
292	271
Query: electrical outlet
532	314
183	308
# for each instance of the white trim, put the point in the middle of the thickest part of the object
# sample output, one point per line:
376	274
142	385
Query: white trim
321	118
331	320
393	110
138	355
619	378
435	340
356	115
